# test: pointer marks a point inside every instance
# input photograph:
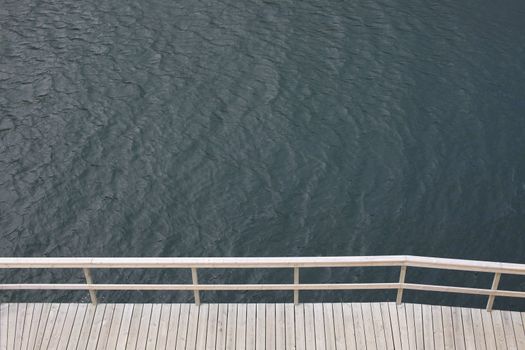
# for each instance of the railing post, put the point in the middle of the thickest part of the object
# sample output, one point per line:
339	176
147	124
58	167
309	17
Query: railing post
89	280
402	275
296	281
195	280
495	284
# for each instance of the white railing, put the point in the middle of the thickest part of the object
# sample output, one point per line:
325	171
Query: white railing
294	263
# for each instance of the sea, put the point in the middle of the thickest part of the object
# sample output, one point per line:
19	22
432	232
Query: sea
202	128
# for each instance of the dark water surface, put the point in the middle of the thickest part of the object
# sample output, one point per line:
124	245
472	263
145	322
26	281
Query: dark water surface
262	128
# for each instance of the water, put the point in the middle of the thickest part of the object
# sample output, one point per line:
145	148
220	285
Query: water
262	128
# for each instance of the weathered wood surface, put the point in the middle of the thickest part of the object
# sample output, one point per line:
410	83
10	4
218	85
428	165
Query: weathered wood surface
257	326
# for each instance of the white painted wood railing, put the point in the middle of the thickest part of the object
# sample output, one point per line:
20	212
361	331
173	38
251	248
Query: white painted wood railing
294	263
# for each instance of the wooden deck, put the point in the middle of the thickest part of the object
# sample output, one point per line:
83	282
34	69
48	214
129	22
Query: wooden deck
257	326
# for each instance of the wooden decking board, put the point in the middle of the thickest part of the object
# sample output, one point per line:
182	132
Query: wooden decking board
479	336
403	327
448	328
153	331
518	329
202	327
211	332
437	323
251	326
314	326
411	325
300	337
125	324
394	321
309	328
222	323
418	325
114	328
359	327
231	326
280	330
508	328
270	326
289	312
389	337
182	331
320	339
457	324
59	325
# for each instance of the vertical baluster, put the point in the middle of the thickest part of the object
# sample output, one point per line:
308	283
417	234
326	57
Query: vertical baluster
195	280
402	275
495	284
89	280
296	281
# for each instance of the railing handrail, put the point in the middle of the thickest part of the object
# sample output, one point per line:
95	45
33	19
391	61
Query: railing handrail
295	263
263	262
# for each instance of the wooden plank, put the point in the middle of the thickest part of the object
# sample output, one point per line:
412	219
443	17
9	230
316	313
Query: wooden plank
78	322
36	342
394	321
280	330
145	318
418	325
59	325
4	316
153	330
125	326
183	326
211	334
437	322
105	326
222	323
411	325
385	314
457	323
96	327
251	324
509	330
448	328
202	326
360	336
173	326
300	337
479	333
164	322
20	320
309	326
260	332
193	322
468	329
114	328
339	327
369	326
519	330
403	327
28	318
379	329
428	329
231	326
53	313
240	341
11	324
133	330
320	340
350	328
499	332
329	326
270	327
65	334
488	329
